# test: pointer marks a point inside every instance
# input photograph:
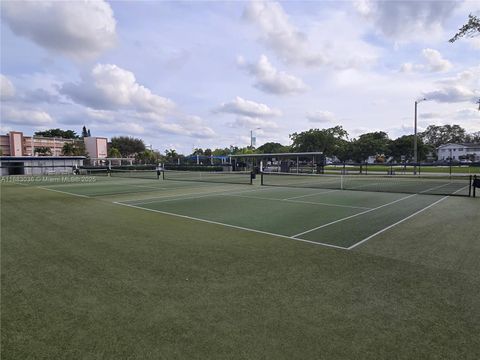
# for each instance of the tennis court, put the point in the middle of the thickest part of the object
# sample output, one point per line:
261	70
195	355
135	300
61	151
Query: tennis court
134	264
315	209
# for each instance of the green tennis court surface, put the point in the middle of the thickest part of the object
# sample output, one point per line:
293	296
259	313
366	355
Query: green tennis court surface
150	268
328	217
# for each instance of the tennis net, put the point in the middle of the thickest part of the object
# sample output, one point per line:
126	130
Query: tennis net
410	184
233	177
135	174
94	172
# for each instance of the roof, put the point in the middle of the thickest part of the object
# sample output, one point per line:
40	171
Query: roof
279	154
461	144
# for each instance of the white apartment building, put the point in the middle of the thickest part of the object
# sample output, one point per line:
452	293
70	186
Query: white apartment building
459	152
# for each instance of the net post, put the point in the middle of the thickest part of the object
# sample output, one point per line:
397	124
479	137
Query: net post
341	181
261	178
252	174
470	186
474	187
163	174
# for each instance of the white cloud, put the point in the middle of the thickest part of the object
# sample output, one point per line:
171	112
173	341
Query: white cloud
248	108
254	122
270	80
25	117
465	87
195	126
434	63
435	60
110	87
149	123
409	67
451	94
78	29
430	115
280	35
103	115
402	20
321	117
7	90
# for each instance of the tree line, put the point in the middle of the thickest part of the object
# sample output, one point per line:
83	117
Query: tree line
333	142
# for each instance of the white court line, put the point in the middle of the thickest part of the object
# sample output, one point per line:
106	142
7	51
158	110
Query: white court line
364	212
203	220
395	224
314	194
230	226
352	216
188	196
63	192
144	186
298	202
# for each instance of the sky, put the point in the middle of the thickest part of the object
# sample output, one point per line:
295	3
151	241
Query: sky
186	74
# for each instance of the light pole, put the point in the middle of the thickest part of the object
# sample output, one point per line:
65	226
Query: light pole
251	137
415	149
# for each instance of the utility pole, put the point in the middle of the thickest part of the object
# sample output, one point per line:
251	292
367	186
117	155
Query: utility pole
415	148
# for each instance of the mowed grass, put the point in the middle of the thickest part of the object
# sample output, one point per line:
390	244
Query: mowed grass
85	278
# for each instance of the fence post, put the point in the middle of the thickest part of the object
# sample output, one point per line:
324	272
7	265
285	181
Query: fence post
470	186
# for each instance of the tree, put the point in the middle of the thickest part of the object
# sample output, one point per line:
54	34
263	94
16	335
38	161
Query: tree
272	148
197	151
221	152
438	135
245	150
323	140
147	156
113	152
79	148
344	150
171	154
59	133
128	146
84	131
473	137
370	144
43	151
68	149
470	29
207	152
402	148
74	149
88	132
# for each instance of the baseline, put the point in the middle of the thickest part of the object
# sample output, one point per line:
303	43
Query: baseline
231	226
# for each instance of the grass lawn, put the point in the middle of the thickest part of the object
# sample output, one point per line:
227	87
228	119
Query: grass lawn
86	278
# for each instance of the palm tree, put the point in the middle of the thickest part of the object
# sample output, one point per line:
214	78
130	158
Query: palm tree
171	154
68	149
